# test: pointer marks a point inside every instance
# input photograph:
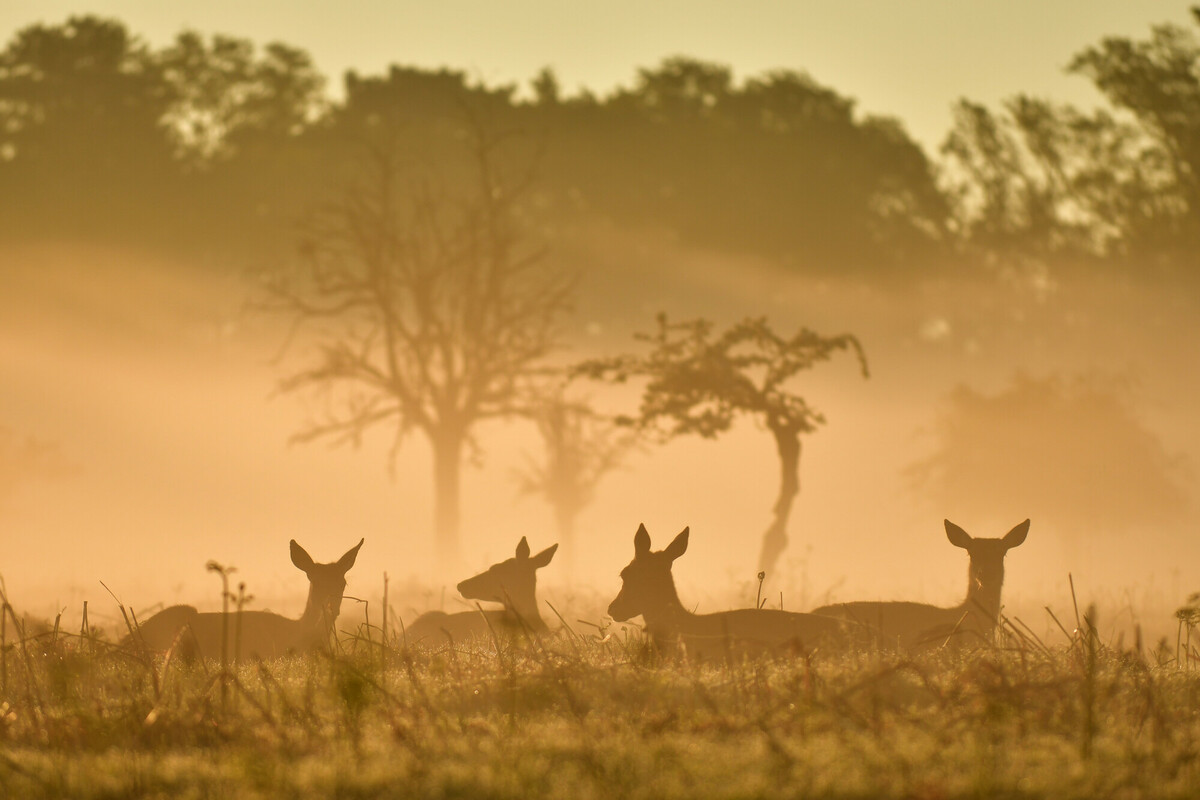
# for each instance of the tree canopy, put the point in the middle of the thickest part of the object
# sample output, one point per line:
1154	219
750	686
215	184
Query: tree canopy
218	143
1039	183
238	139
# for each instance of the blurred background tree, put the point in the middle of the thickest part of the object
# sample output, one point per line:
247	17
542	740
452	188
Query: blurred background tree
1038	182
579	447
215	145
83	142
229	99
1072	452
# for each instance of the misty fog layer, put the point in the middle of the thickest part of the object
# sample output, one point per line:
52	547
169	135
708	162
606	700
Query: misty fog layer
158	388
1031	330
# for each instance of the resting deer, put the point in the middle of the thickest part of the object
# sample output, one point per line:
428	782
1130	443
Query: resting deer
648	589
512	582
917	625
257	633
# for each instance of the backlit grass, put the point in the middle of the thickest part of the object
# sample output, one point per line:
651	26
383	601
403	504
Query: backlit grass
581	716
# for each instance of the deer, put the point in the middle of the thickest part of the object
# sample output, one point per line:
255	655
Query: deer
512	582
917	626
648	589
257	634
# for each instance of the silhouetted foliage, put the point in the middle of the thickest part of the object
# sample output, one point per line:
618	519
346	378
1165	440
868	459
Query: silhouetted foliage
214	144
1158	81
81	128
193	146
699	383
213	147
1040	183
432	312
229	98
244	126
1073	452
218	145
778	165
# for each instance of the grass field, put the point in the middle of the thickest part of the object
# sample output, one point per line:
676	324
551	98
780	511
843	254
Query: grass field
586	715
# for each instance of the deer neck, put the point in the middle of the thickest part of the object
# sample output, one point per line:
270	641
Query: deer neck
664	614
523	609
315	622
983	593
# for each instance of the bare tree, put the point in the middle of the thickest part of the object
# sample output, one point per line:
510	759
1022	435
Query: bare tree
428	309
698	384
579	447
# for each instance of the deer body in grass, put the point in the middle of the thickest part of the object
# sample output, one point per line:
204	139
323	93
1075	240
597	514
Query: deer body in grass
261	634
512	582
648	589
911	626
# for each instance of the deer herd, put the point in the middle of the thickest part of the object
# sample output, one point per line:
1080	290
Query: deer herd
647	590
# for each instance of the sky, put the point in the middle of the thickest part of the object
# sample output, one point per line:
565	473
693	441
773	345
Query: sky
908	59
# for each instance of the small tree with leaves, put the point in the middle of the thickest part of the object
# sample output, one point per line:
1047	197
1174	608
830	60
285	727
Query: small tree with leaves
430	311
699	382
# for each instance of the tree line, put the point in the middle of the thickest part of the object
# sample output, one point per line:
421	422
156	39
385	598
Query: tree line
215	145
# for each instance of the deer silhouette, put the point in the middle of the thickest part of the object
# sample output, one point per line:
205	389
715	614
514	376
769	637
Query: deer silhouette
911	626
512	582
648	589
259	634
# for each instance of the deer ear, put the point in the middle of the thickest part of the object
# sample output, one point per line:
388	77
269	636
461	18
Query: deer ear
957	536
678	545
543	558
1016	535
522	549
347	561
641	541
300	557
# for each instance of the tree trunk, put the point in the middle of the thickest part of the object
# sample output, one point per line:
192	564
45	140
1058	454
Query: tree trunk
447	472
775	540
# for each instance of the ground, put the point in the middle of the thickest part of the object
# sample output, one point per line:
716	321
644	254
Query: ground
597	715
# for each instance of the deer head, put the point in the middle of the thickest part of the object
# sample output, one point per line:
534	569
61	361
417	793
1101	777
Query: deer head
327	582
512	582
986	571
646	582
